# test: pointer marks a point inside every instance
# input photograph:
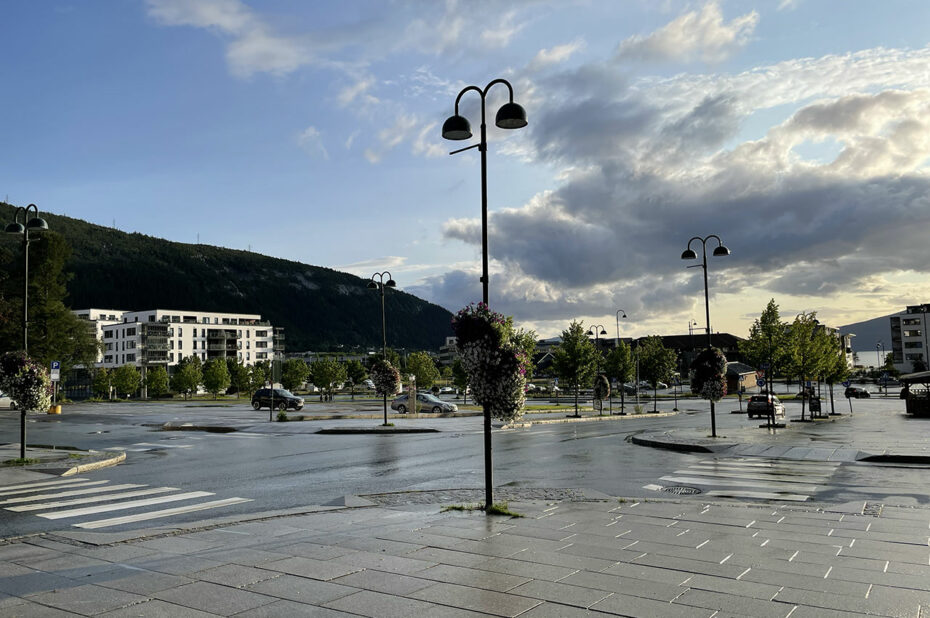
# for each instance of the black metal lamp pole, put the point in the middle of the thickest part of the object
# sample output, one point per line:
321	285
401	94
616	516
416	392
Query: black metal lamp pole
597	330
456	127
881	364
379	285
689	254
36	223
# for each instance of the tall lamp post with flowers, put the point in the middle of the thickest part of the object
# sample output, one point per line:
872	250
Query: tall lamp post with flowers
510	116
379	285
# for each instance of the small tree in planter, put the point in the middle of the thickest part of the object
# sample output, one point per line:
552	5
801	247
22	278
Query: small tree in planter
28	384
708	378
386	379
493	358
601	390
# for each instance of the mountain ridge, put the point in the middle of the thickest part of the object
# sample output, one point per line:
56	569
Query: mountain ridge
320	308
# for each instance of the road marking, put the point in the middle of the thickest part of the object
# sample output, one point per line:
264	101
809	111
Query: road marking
103	498
115	521
148	446
759	495
104	508
76	492
27	487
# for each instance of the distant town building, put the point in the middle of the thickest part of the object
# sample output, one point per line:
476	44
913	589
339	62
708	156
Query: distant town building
909	338
165	336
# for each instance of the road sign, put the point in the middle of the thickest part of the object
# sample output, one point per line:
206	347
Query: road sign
760	382
56	371
846	383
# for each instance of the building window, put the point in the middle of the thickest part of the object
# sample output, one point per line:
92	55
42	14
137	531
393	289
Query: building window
130	358
108	358
194	345
108	334
180	331
913	357
171	357
261	333
130	332
261	344
913	344
911	321
180	347
912	333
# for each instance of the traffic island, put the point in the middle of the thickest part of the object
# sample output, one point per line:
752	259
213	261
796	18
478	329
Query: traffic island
61	461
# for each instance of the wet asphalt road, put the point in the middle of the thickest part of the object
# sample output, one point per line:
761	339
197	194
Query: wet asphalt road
280	466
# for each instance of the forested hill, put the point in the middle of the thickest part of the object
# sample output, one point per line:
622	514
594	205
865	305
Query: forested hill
319	307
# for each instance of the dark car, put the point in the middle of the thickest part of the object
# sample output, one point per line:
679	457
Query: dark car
281	399
759	405
857	392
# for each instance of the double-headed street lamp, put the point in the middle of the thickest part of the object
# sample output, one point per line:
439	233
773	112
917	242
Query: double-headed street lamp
456	127
379	285
35	224
596	331
689	254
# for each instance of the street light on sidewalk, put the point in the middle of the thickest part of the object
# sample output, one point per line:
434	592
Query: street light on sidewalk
379	285
880	345
456	127
35	224
689	254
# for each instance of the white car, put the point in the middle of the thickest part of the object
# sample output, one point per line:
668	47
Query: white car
6	402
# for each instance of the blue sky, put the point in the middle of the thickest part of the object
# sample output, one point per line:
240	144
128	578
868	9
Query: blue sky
796	130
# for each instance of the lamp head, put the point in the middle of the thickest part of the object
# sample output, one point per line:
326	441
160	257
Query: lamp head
688	254
391	283
603	332
721	251
456	128
37	224
14	228
372	285
511	116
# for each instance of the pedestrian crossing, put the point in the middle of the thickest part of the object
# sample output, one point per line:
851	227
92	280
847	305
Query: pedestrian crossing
751	478
83	500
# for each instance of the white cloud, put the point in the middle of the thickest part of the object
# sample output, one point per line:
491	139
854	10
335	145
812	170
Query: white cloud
360	88
694	35
311	141
253	48
554	55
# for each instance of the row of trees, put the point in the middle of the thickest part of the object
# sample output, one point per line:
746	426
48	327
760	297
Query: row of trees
802	349
220	375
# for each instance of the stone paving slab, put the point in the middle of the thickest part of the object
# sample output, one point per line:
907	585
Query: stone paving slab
563	558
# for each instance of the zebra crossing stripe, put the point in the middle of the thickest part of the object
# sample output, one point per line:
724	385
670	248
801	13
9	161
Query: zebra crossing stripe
103	498
761	495
104	508
115	521
76	492
768	478
27	487
722	482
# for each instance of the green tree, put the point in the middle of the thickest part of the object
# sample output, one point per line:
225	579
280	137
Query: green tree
809	349
216	376
394	358
575	360
188	375
294	372
768	341
54	332
620	366
836	369
156	381
326	373
889	367
424	371
238	376
656	364
126	380
257	377
101	384
460	378
355	373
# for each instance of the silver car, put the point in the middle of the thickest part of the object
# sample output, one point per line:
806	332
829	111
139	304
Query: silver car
426	402
6	402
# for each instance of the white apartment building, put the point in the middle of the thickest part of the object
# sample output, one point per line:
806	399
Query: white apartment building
165	336
909	337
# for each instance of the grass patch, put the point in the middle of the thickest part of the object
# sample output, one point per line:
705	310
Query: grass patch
19	461
77	455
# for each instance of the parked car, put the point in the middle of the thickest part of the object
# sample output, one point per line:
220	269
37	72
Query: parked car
6	402
760	405
282	399
446	390
368	384
857	392
425	401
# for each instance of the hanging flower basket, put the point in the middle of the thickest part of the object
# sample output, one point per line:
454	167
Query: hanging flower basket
25	381
601	387
385	377
708	374
496	367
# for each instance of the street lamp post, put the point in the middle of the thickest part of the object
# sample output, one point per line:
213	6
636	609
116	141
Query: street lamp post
620	313
379	285
689	254
456	127
880	350
597	330
35	224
